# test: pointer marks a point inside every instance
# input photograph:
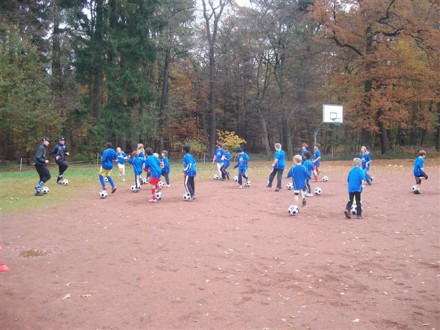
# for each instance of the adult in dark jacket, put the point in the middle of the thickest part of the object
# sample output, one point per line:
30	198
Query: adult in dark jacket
40	163
59	153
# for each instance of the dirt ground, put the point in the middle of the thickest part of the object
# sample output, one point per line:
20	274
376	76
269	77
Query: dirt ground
231	259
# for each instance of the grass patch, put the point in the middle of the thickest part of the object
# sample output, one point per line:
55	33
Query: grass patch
17	193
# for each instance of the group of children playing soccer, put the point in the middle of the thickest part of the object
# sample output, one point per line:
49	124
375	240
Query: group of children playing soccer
305	168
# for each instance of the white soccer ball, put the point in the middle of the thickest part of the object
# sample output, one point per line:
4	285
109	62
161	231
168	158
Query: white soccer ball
289	186
45	190
248	183
186	196
325	178
353	209
65	182
161	184
133	188
103	194
414	188
144	180
215	177
105	179
235	178
159	195
318	191
293	210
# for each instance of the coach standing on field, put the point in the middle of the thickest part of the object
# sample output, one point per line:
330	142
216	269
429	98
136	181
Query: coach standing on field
59	153
40	165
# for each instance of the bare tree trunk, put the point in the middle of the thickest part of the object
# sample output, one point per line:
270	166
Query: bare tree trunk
265	135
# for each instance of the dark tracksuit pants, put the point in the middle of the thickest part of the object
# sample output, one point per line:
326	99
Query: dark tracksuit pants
43	172
357	196
62	167
189	185
279	174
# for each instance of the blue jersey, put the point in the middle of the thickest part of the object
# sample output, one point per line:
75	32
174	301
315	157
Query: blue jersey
227	159
189	165
137	163
366	161
121	157
153	165
317	155
280	155
219	152
418	165
355	178
166	165
107	158
309	166
299	175
243	160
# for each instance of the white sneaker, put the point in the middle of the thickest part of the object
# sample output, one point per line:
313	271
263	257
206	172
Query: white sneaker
123	179
309	195
167	186
239	187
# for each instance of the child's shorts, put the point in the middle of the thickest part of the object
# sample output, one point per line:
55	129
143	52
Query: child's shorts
105	172
121	166
296	192
154	181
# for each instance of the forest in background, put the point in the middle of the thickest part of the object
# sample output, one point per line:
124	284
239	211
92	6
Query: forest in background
173	72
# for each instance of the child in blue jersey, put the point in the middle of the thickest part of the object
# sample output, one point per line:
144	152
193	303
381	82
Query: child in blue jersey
108	156
366	163
299	175
217	159
316	161
166	169
152	165
419	171
189	172
137	163
242	164
355	179
278	165
304	149
121	162
141	153
309	167
226	159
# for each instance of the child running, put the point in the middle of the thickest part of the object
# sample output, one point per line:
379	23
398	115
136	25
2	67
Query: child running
108	155
242	164
189	172
316	161
356	176
166	169
59	153
226	159
309	167
153	166
299	175
121	162
219	152
278	165
419	171
366	163
137	163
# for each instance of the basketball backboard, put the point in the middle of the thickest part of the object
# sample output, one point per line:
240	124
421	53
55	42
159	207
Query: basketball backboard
332	113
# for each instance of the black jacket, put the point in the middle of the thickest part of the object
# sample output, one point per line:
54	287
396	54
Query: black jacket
59	150
40	155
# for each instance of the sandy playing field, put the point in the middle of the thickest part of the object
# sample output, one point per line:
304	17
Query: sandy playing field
232	259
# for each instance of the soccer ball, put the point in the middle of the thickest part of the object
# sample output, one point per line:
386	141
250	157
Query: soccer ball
133	188
235	178
325	178
353	210
293	210
65	182
159	195
103	194
105	179
413	188
45	190
248	183
144	180
186	197
318	191
289	186
215	177
161	184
